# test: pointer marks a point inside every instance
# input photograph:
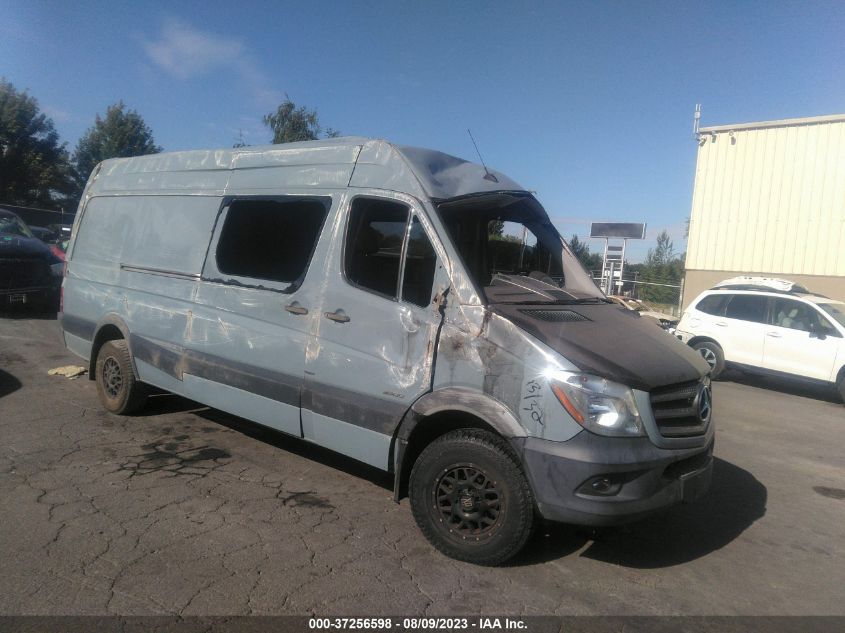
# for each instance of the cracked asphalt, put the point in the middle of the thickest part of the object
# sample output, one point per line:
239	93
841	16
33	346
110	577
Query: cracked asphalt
186	510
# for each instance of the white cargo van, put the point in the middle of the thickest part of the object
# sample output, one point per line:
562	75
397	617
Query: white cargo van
400	306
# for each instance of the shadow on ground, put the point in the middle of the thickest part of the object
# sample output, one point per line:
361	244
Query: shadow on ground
677	535
162	403
8	383
41	313
793	387
680	534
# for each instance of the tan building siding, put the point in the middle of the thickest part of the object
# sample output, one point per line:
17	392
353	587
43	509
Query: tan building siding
769	199
696	281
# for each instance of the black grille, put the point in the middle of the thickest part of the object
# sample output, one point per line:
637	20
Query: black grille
675	410
21	273
555	316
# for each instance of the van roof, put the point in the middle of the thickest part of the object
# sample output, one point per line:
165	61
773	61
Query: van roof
329	164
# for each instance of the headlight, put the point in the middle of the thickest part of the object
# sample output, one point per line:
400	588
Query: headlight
600	406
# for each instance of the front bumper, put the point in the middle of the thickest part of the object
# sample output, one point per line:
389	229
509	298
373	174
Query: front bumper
683	336
643	477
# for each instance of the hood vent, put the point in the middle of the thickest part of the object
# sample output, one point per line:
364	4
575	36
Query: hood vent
555	316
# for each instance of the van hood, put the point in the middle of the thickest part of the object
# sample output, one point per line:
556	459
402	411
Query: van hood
609	341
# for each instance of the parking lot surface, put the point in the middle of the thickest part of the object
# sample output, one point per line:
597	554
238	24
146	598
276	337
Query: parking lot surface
186	510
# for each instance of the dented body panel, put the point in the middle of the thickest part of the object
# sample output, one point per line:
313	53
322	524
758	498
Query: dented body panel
324	359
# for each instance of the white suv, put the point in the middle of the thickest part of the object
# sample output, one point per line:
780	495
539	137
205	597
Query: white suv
770	326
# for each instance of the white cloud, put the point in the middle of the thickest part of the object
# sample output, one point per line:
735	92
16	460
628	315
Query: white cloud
56	114
185	52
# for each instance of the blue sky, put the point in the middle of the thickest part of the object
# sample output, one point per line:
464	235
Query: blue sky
588	103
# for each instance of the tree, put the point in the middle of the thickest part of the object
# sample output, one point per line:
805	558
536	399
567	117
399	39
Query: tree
661	266
290	124
121	133
34	168
581	250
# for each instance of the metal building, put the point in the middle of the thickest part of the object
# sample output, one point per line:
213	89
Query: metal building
769	200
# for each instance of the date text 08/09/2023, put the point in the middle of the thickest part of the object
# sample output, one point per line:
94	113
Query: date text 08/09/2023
413	624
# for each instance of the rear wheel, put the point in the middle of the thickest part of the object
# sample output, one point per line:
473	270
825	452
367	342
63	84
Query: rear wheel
470	497
713	354
117	387
841	387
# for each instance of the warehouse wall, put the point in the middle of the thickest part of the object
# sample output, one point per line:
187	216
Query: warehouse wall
771	200
697	281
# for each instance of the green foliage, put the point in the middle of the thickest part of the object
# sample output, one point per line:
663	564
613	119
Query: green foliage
661	266
34	169
581	250
290	124
121	133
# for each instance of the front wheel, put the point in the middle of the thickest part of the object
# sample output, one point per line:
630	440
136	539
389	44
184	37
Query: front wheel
470	497
841	387
713	354
117	387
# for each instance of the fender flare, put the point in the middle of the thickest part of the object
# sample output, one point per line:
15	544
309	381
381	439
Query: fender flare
465	400
455	399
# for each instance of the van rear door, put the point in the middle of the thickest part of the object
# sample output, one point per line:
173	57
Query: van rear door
372	352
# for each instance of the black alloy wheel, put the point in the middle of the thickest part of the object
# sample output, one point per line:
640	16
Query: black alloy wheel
471	498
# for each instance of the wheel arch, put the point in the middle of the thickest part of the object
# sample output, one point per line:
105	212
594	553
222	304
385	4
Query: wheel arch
110	328
703	339
438	412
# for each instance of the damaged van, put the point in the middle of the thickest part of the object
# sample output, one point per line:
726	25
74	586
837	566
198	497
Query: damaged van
403	307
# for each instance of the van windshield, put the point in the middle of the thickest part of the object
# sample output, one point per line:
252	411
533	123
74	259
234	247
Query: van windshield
513	252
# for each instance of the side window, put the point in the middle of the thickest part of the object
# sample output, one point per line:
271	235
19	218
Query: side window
269	239
713	304
373	250
420	262
795	315
747	308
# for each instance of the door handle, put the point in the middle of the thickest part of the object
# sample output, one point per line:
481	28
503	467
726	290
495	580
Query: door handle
721	324
338	316
774	334
295	308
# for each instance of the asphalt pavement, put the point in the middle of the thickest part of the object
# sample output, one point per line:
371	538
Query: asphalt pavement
186	510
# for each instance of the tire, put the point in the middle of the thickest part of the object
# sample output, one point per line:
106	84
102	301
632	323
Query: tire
713	354
485	512
117	387
840	386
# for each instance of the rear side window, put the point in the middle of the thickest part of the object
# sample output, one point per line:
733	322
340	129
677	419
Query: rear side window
374	239
747	308
269	239
713	304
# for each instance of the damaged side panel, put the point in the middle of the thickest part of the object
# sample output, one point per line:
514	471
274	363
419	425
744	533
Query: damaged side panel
483	353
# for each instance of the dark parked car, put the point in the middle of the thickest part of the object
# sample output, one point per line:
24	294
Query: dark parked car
44	234
30	273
